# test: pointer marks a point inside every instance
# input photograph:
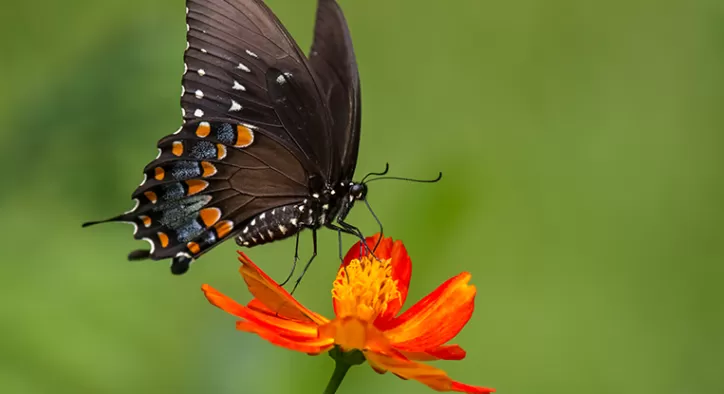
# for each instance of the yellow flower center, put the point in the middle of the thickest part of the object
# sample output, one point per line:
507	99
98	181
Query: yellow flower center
365	288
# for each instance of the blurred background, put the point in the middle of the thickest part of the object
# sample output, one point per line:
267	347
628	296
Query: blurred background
581	143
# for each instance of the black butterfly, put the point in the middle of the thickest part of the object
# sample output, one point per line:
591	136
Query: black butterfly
270	138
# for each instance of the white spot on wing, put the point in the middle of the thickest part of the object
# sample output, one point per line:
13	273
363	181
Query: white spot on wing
262	216
160	151
186	68
153	247
246	229
235	106
238	86
198	113
282	229
204	50
281	80
199	94
252	54
253	222
242	67
201	72
145	177
136	203
293	222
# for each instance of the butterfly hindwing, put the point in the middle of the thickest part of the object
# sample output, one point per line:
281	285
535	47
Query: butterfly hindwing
209	179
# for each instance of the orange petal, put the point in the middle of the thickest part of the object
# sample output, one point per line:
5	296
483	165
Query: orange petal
401	272
280	325
448	352
310	346
433	377
435	319
273	296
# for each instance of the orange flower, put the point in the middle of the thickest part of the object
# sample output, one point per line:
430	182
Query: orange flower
367	295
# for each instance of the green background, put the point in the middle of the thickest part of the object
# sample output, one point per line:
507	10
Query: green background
581	143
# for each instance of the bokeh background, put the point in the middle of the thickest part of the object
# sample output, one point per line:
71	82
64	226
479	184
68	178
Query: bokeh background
581	143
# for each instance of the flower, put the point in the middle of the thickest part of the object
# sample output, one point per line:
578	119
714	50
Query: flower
367	295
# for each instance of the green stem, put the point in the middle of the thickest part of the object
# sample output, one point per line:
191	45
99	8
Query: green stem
340	370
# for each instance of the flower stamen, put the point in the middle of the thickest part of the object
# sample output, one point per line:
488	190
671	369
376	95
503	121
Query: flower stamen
364	288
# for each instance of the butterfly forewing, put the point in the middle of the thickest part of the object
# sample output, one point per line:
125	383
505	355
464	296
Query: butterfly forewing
238	51
333	60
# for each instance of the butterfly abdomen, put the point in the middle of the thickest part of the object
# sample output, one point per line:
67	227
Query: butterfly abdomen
274	224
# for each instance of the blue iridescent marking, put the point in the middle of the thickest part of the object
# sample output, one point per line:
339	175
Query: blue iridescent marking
173	192
226	134
203	150
189	231
183	170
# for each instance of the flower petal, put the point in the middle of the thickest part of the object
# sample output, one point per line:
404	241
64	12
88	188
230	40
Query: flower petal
435	319
309	346
433	377
278	324
273	296
447	352
401	272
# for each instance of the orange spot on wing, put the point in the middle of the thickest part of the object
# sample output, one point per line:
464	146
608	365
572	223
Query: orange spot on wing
193	247
220	151
196	186
159	173
146	220
210	216
244	136
177	148
209	169
224	228
151	196
163	238
203	130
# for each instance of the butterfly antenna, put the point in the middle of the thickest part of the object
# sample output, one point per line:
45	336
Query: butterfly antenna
387	169
439	177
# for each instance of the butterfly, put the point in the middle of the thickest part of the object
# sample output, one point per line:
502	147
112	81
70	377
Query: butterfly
270	137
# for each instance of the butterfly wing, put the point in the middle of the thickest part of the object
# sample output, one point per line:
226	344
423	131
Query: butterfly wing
333	60
209	179
243	65
256	129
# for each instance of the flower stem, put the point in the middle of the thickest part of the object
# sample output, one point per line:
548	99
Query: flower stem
342	362
340	370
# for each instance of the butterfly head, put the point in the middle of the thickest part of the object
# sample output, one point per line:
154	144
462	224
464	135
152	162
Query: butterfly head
358	191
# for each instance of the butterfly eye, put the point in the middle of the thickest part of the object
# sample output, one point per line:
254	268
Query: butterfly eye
358	191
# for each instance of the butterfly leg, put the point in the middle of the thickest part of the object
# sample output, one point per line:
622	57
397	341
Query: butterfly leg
306	267
294	264
342	227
